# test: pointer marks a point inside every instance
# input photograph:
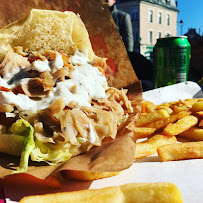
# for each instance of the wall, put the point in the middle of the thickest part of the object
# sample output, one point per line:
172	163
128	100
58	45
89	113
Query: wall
155	27
142	26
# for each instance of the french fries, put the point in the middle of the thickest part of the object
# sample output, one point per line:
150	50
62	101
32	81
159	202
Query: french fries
201	123
168	109
179	108
148	107
200	113
197	106
142	132
134	192
152	116
181	151
193	134
149	147
173	118
181	120
180	126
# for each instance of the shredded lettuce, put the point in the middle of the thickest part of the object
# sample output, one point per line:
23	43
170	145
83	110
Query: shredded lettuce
38	151
23	128
50	153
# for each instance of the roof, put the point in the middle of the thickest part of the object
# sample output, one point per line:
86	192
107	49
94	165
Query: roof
170	4
192	34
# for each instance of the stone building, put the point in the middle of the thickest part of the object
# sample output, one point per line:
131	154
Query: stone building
151	19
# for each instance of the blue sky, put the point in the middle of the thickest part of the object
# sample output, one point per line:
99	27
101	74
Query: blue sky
191	13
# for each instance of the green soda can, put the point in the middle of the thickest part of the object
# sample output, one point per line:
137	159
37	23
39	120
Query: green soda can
171	61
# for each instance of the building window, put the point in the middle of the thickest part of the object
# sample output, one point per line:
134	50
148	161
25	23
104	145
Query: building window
150	37
159	35
150	16
168	19
168	2
159	17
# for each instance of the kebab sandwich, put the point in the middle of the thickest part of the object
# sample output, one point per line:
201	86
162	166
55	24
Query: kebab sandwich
55	101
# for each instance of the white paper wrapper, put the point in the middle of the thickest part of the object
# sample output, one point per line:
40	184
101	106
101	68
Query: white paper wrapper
172	93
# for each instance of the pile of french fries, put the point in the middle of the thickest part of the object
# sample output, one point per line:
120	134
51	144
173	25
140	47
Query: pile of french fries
174	130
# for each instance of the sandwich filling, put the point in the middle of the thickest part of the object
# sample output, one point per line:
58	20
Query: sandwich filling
60	104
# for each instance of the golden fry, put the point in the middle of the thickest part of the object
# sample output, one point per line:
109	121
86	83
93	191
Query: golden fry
180	126
173	118
180	107
148	107
148	147
193	134
200	113
181	151
151	192
201	123
168	109
151	117
171	104
164	104
142	132
192	100
132	192
188	102
197	106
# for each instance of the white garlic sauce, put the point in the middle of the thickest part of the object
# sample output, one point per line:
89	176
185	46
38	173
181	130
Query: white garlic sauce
58	62
80	58
41	66
86	83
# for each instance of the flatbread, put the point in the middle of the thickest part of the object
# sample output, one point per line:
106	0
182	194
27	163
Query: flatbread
46	29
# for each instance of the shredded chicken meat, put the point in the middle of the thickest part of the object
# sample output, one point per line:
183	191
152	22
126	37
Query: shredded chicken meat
61	122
